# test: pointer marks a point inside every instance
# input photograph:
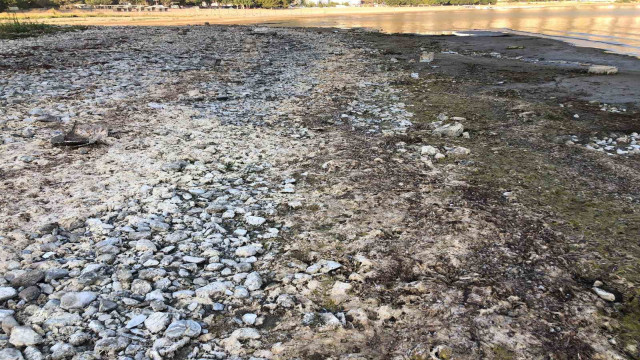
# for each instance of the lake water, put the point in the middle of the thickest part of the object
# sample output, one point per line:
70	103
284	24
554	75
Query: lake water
611	27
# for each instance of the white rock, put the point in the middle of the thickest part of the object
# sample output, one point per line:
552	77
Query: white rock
212	289
245	334
7	293
605	295
427	57
429	150
339	291
32	353
194	259
459	151
449	130
77	300
329	321
603	70
146	245
253	281
248	250
249	319
136	320
157	322
24	336
323	267
181	328
62	351
10	354
254	220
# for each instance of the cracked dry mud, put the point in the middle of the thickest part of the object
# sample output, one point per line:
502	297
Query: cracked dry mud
281	193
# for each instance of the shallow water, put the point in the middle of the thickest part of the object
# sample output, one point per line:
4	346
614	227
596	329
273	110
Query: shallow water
611	27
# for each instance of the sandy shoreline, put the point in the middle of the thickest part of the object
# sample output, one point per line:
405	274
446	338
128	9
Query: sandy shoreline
250	16
279	193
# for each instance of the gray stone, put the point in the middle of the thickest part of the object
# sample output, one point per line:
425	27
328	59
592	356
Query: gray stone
141	287
246	334
28	278
10	354
212	289
253	281
193	259
62	319
7	293
181	328
146	245
54	274
24	336
246	251
79	338
157	322
107	305
136	320
249	319
30	293
459	151
323	267
449	130
429	150
8	323
108	347
77	300
605	295
152	274
32	353
254	220
62	351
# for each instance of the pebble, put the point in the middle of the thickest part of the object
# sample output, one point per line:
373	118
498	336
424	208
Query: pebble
194	259
136	320
11	354
246	251
62	351
77	300
449	130
253	281
24	336
605	295
429	150
249	318
157	321
182	328
28	278
254	220
7	293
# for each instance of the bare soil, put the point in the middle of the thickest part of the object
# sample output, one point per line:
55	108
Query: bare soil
442	264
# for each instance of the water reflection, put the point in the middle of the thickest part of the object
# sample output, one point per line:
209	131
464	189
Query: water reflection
611	27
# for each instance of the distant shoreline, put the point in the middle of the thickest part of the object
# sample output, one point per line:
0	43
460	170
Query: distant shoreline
252	16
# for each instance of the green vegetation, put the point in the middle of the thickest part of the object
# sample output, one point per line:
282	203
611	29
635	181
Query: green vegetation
502	353
15	28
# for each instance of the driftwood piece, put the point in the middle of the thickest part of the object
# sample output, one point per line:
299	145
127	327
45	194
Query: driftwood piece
81	135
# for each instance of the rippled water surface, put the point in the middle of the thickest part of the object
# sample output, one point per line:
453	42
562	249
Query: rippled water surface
612	27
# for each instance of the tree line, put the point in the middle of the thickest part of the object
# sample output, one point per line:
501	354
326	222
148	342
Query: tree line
438	2
30	4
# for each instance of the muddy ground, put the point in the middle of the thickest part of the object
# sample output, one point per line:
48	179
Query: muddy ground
491	255
572	216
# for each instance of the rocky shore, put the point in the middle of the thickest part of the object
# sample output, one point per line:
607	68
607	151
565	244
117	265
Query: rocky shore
211	192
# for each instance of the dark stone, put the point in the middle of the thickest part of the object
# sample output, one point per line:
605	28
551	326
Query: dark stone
29	294
54	274
107	305
30	277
